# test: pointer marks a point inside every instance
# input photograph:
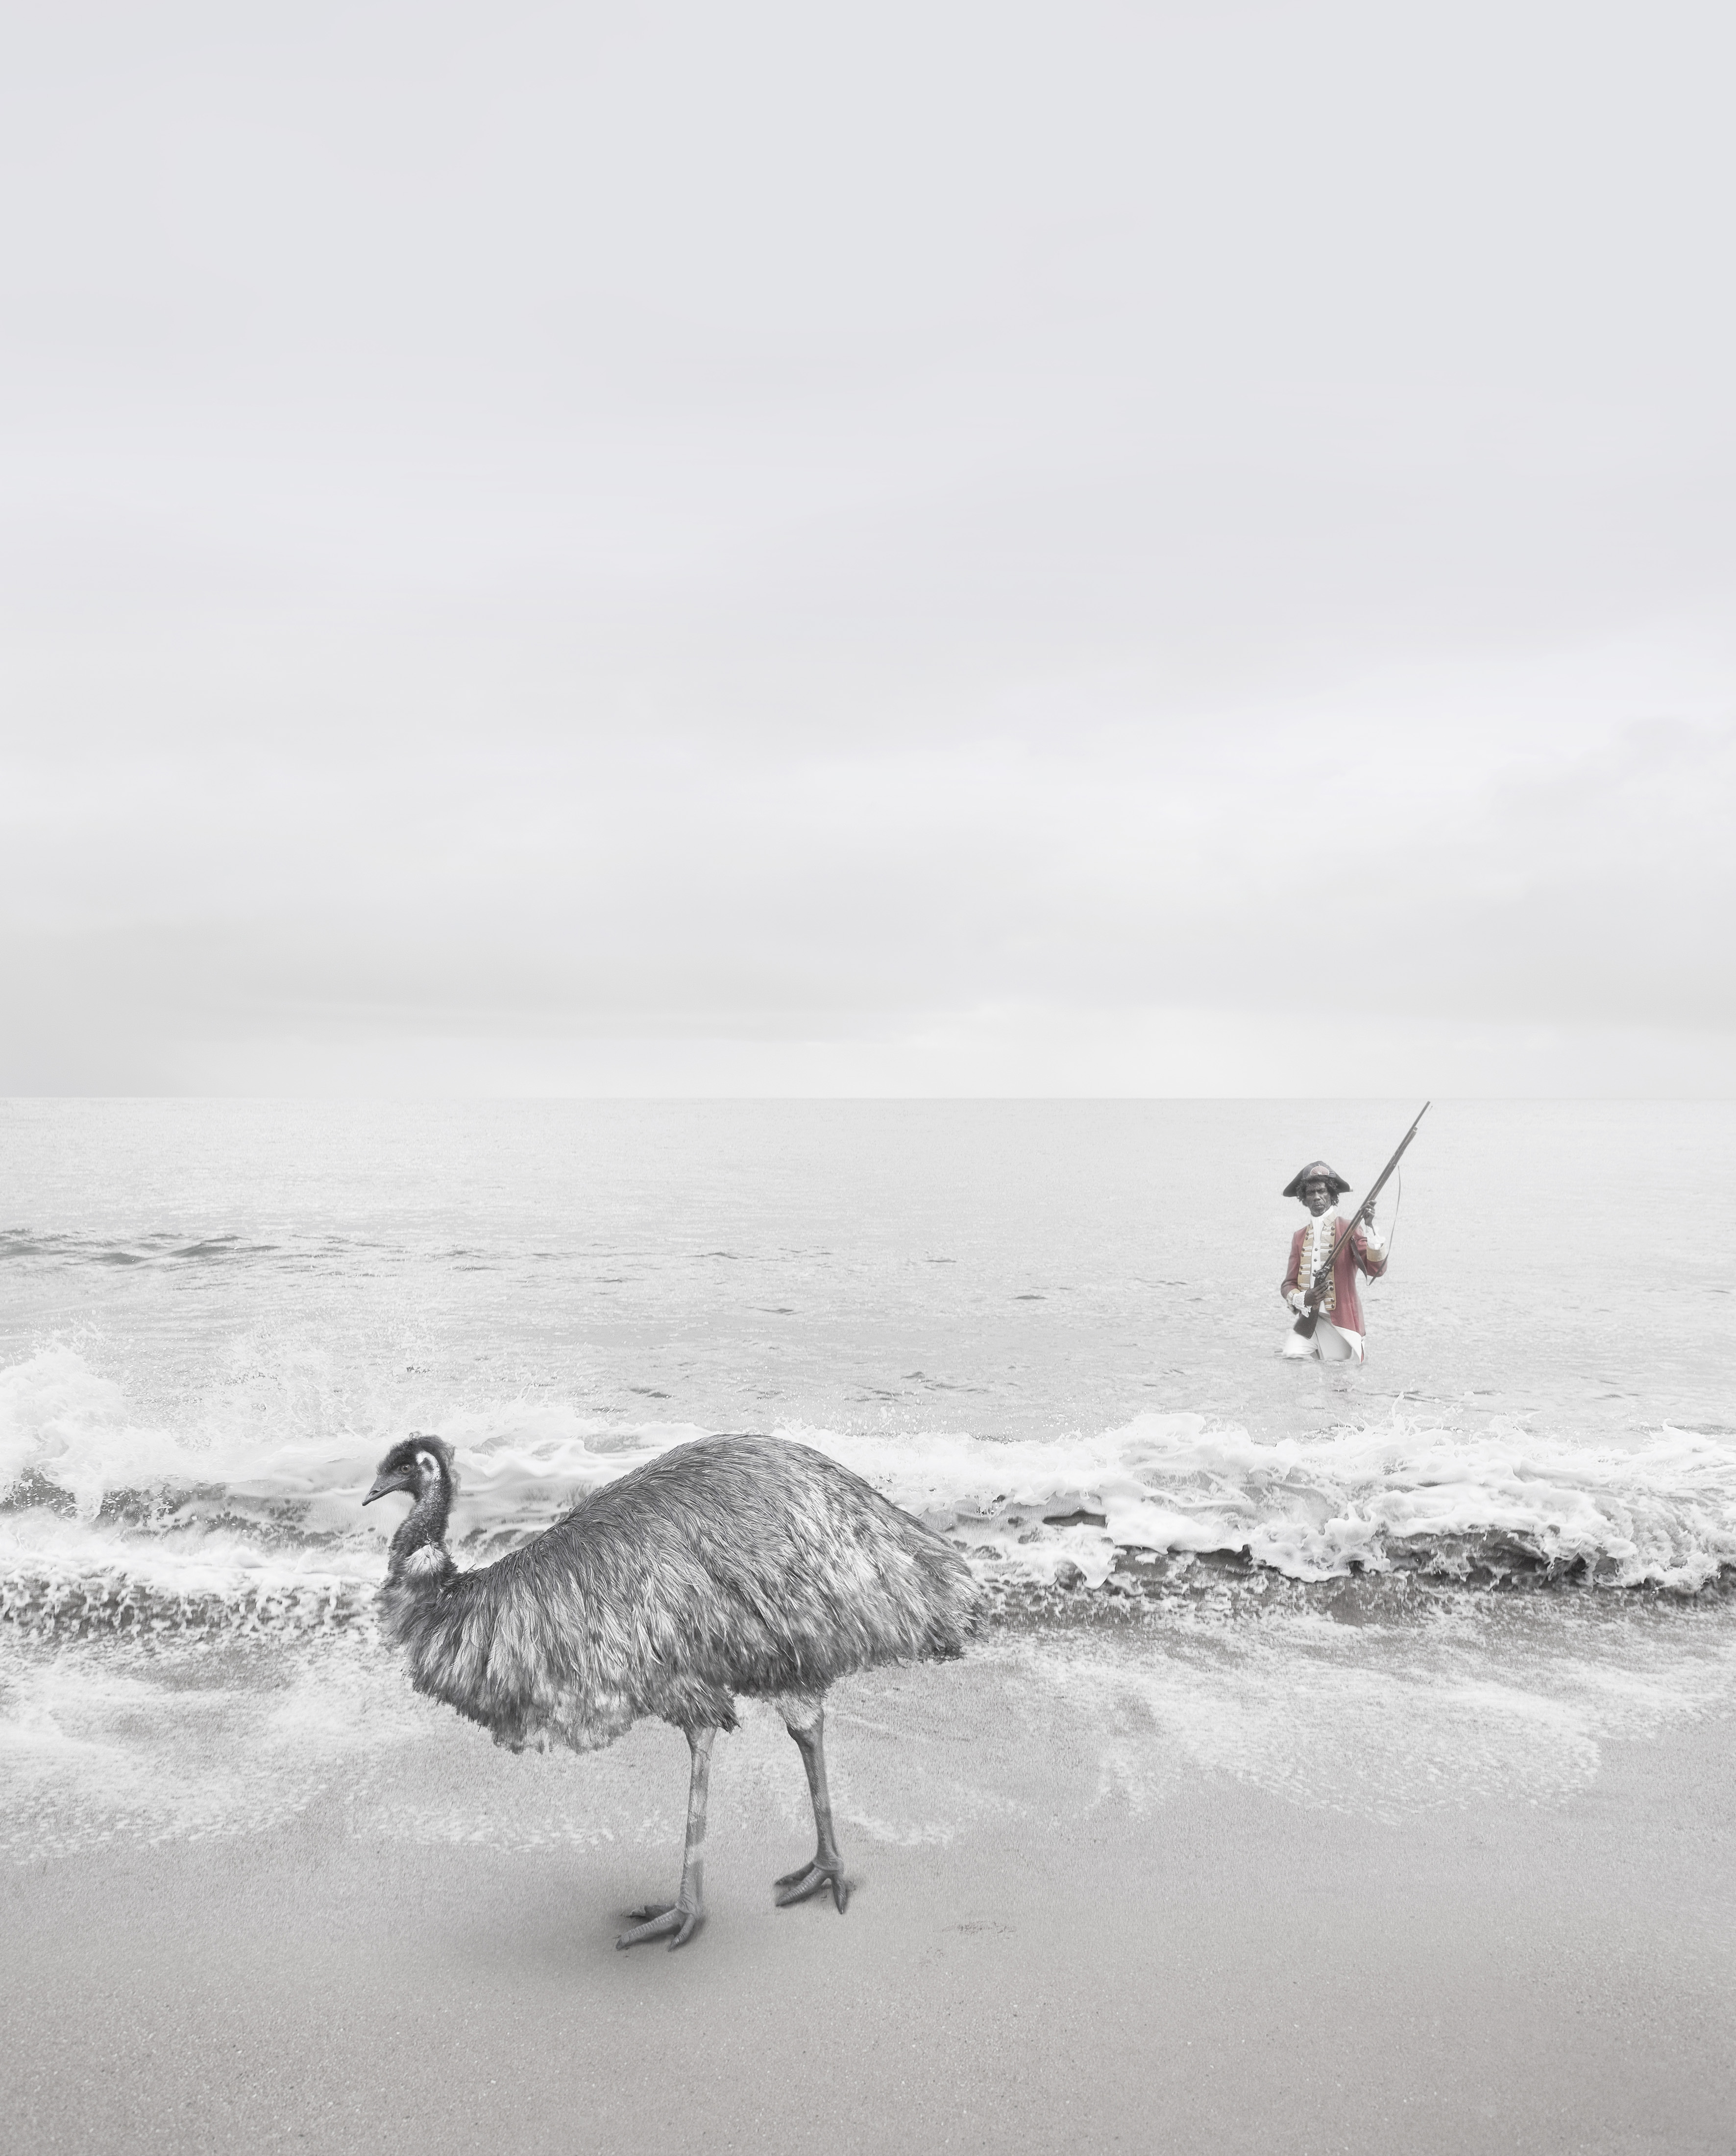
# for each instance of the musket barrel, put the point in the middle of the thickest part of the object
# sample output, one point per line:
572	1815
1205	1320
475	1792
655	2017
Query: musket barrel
1323	1271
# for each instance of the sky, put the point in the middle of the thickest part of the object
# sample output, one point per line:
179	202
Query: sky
943	549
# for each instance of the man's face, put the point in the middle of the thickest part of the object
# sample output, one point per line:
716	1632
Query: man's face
1316	1196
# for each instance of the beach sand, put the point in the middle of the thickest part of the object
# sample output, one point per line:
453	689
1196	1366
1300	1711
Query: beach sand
1050	1946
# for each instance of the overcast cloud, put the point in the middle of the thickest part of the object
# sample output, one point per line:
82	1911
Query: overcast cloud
948	548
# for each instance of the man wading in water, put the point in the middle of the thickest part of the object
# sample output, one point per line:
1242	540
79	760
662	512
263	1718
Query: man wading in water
1337	1333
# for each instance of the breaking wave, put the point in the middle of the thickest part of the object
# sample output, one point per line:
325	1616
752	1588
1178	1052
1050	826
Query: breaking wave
110	1522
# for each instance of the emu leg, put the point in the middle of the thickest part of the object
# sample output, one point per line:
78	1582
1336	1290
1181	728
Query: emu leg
827	1869
687	1913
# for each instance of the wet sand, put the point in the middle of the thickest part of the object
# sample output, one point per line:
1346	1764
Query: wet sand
1221	1966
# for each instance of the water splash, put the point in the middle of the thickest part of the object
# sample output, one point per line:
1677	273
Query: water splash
110	1521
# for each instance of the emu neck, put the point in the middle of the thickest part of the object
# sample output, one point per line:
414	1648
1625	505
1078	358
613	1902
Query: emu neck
425	1528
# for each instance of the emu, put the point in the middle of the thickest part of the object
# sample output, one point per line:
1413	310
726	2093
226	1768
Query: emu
730	1565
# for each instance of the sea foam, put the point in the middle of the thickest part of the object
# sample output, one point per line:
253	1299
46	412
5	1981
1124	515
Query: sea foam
110	1522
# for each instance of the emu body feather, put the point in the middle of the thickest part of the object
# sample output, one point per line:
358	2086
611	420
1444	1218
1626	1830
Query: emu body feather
730	1565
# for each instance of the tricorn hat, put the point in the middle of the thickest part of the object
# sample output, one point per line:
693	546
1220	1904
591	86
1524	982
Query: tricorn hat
1316	1171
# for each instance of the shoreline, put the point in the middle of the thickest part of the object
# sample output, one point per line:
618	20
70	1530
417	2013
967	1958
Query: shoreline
1144	1588
1079	1915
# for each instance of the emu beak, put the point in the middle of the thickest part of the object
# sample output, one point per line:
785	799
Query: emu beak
381	1488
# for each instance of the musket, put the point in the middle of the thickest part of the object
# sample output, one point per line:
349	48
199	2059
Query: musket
1323	1273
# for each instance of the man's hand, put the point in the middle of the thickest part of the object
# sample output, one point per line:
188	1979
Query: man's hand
1313	1299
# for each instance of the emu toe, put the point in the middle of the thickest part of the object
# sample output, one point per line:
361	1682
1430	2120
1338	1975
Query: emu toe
656	1922
810	1880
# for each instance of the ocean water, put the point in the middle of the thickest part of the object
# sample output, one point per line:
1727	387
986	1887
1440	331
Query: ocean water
1051	1329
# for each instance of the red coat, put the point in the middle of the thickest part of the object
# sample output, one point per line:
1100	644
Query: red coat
1345	1308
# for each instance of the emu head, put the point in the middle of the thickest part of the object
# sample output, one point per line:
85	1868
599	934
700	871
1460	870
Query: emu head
418	1465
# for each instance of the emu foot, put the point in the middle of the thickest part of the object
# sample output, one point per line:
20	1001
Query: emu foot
659	1919
813	1879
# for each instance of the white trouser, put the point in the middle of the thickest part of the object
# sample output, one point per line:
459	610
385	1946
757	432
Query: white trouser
1331	1342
